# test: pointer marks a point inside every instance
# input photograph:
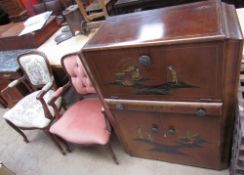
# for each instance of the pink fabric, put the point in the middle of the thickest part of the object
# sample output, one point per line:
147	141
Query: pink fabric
77	72
83	123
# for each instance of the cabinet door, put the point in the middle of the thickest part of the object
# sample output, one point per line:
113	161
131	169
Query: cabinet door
182	137
180	72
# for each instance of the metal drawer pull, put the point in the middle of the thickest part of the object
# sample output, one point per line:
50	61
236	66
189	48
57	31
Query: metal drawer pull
119	106
171	131
155	128
201	112
145	60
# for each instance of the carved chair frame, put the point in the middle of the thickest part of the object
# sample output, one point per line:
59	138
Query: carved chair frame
58	115
40	96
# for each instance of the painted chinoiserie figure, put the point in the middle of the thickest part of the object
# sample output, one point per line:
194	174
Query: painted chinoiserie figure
168	79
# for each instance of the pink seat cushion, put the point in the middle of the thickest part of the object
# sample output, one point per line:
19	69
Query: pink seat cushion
83	123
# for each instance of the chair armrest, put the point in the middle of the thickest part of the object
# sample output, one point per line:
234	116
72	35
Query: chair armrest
58	93
40	97
13	84
44	90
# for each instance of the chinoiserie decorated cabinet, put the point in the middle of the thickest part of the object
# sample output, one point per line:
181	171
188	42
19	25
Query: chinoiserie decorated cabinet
168	80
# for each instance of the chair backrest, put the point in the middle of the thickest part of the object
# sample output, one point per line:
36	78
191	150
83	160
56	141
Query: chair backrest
36	66
77	74
92	16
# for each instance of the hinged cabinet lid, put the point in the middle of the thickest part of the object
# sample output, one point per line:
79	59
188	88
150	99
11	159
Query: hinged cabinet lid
202	21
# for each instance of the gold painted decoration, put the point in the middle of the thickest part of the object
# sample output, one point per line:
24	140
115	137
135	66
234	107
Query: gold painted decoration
131	77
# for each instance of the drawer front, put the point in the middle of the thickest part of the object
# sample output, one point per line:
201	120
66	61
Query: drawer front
185	138
188	72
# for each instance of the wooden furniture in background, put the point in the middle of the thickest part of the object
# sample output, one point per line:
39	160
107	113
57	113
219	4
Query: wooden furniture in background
3	17
237	160
128	6
28	5
9	39
168	79
15	9
92	16
9	71
240	14
96	7
74	19
54	5
14	94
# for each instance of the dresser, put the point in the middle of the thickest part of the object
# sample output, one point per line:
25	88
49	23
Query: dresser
168	80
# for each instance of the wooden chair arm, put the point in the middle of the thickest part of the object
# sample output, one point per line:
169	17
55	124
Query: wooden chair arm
58	93
44	90
13	83
40	97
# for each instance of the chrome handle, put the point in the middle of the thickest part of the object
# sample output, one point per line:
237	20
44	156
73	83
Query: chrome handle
170	131
201	112
145	60
119	106
155	128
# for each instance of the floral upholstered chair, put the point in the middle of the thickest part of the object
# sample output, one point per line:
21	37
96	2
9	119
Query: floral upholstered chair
85	121
32	111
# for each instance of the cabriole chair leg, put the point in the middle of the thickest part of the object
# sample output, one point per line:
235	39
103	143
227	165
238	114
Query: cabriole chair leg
18	130
65	143
55	141
112	153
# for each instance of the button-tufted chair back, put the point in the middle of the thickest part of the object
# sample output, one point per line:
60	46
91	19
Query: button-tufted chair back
77	73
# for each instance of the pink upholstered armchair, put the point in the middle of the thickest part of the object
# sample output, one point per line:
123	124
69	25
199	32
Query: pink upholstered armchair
85	121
